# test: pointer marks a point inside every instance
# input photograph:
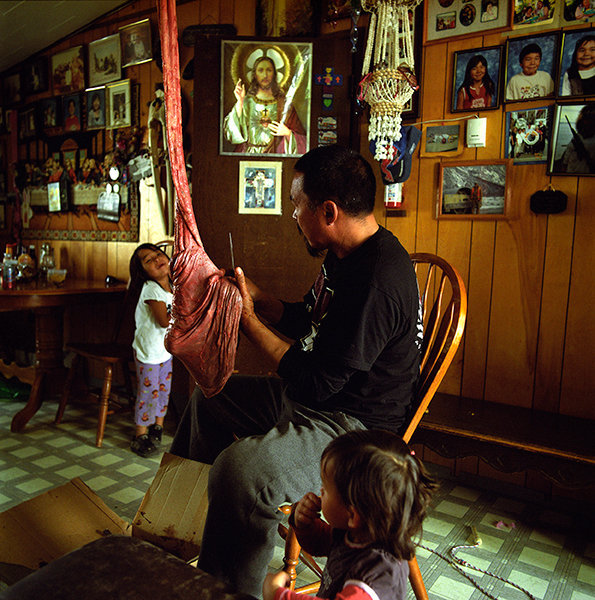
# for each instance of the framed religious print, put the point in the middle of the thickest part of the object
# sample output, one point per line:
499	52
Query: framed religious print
95	106
71	109
577	63
573	140
260	187
265	97
119	105
34	76
527	137
441	140
453	18
135	40
476	79
68	71
575	12
104	60
531	65
473	190
529	13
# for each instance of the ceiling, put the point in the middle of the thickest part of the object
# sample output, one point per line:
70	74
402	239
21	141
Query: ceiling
28	26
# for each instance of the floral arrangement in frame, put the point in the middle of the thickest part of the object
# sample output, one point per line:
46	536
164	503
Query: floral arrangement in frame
104	60
68	71
453	18
35	76
531	63
119	105
476	79
260	187
577	63
573	140
575	12
528	13
528	135
135	40
71	109
441	140
473	190
95	107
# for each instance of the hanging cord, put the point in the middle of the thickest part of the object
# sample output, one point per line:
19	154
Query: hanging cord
454	561
476	116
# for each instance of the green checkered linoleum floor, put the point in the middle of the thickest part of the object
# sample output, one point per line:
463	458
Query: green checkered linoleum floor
549	552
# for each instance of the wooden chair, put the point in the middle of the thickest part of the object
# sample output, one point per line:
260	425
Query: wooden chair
444	307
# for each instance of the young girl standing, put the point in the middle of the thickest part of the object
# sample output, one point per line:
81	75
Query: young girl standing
149	274
374	497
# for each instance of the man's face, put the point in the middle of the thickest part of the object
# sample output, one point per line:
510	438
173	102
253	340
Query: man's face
308	221
264	74
530	63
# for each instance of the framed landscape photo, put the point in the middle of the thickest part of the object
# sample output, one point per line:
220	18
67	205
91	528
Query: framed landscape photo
531	63
528	135
476	79
260	187
119	105
135	40
441	140
68	71
573	140
104	60
577	63
453	18
95	106
473	190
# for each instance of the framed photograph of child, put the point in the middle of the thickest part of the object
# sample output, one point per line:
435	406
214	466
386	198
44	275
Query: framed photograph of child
135	40
95	105
577	63
531	67
476	79
71	109
68	71
260	187
529	13
573	140
528	135
119	105
105	60
473	190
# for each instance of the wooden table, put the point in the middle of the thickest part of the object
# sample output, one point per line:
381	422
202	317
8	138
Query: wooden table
48	302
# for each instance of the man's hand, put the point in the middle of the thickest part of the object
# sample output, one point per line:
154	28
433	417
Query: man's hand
240	93
247	301
307	511
272	582
279	129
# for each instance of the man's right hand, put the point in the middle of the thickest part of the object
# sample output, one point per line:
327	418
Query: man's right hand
240	93
307	511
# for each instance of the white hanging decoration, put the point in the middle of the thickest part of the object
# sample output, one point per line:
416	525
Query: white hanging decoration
388	81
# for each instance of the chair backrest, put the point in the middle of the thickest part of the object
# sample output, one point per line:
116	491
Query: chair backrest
444	306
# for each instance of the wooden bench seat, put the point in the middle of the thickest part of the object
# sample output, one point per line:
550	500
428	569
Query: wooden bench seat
511	438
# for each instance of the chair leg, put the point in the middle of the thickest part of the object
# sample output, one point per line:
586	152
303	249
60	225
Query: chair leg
67	388
103	403
417	583
292	554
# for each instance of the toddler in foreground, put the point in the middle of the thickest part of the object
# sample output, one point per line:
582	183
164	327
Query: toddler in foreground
374	497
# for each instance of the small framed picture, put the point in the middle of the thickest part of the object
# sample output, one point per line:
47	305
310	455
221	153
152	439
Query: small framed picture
27	123
260	187
528	13
528	135
577	63
12	88
104	60
573	140
68	71
119	106
35	76
531	67
135	42
95	103
575	12
50	111
476	79
441	140
473	190
71	109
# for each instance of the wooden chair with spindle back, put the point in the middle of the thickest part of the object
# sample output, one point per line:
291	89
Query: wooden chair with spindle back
444	307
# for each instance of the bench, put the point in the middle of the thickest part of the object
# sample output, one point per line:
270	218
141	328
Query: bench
511	438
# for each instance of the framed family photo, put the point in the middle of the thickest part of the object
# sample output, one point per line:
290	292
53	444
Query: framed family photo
529	13
476	79
95	103
68	71
104	60
573	140
51	115
266	88
528	135
35	76
119	105
473	190
441	140
531	65
577	63
575	12
135	42
260	187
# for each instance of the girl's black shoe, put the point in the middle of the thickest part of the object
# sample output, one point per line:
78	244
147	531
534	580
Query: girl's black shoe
143	446
155	434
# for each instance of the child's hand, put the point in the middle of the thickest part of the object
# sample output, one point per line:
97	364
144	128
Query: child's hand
272	582
307	510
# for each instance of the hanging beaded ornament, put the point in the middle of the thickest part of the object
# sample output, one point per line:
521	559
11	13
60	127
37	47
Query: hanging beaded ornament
388	82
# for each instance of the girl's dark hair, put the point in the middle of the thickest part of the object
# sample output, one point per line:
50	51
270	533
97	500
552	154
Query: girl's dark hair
488	84
138	275
573	69
375	472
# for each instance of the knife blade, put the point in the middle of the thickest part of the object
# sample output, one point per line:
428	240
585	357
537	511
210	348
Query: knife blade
233	262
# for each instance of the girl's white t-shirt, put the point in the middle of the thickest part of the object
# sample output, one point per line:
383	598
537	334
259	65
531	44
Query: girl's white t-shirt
149	335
